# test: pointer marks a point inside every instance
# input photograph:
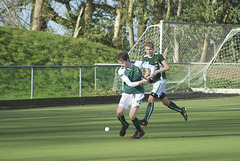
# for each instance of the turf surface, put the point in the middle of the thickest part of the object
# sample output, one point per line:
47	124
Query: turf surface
212	133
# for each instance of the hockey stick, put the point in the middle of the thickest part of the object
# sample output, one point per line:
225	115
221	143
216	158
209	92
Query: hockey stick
138	74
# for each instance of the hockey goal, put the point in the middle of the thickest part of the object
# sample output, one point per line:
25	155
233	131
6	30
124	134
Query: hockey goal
202	57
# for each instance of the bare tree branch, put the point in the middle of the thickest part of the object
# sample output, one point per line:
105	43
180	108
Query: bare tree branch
37	14
10	14
77	28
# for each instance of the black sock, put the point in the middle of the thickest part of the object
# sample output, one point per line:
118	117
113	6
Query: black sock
122	120
173	106
137	125
149	111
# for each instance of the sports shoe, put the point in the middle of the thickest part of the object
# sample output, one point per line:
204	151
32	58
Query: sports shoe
143	122
184	113
123	130
137	135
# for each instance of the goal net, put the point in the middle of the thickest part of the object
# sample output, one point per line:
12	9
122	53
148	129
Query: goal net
202	57
223	72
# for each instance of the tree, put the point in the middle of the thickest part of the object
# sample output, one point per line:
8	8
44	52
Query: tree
12	13
180	8
37	19
88	12
168	9
112	24
117	24
216	12
78	27
142	16
158	8
130	24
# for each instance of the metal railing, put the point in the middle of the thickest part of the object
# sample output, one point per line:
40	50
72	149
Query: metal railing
8	76
24	82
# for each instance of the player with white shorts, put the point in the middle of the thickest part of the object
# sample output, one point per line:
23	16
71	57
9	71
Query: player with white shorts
133	92
159	83
129	101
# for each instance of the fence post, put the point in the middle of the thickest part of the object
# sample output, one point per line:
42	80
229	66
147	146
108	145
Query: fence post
189	71
32	79
161	35
80	82
205	79
95	73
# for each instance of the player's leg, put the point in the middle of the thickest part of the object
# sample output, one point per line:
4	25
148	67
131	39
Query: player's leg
123	105
148	113
139	132
173	106
134	119
121	118
149	109
132	115
154	94
120	115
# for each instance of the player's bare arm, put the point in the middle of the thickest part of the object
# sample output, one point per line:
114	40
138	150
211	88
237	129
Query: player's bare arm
143	81
150	70
165	68
147	73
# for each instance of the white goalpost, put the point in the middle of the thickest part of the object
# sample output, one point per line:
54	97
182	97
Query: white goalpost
223	71
202	57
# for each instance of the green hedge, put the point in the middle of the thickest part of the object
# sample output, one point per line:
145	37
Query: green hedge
19	47
24	47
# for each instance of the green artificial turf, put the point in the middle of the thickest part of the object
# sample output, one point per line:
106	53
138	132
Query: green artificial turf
212	133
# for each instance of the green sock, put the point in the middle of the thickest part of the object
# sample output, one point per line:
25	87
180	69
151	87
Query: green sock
122	120
149	111
173	106
137	125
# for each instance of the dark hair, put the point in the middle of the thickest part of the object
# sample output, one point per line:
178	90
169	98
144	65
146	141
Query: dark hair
123	56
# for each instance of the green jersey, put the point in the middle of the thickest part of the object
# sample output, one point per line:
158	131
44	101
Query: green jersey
156	60
133	77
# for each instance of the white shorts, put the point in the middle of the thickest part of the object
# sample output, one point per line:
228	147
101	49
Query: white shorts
159	87
128	101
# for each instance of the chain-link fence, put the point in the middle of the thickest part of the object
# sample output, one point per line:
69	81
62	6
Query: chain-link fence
36	82
29	82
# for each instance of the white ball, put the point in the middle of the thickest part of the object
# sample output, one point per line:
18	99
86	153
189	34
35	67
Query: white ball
107	129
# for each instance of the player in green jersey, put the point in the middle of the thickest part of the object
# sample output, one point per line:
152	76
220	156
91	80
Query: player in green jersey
133	92
159	82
